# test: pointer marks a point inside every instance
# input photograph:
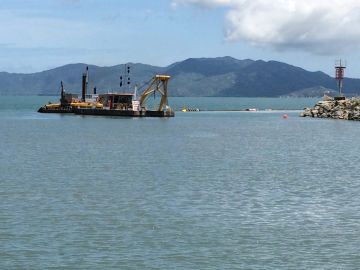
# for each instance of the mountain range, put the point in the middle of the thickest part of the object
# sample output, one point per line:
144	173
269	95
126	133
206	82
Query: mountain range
221	76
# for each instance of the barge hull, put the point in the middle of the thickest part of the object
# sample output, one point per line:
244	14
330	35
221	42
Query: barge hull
125	113
60	110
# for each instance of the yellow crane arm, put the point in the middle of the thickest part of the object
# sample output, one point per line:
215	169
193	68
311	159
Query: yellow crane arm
159	84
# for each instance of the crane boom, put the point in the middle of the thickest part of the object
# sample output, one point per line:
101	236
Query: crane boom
158	84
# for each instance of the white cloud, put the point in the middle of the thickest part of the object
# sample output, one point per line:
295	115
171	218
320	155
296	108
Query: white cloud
317	26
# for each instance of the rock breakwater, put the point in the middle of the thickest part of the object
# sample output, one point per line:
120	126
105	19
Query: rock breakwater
348	109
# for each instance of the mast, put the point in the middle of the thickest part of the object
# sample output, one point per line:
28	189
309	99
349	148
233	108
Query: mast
125	78
339	74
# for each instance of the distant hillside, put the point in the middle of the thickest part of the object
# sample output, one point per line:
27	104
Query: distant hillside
222	76
48	82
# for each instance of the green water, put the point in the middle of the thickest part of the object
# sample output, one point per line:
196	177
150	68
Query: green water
203	190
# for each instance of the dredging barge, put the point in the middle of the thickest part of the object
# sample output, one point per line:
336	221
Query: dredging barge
113	103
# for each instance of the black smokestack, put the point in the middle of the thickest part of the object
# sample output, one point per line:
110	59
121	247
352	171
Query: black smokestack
83	92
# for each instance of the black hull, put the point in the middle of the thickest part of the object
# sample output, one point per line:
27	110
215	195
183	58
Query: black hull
60	110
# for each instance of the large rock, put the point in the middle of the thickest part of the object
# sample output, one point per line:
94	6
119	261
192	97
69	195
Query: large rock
306	113
327	105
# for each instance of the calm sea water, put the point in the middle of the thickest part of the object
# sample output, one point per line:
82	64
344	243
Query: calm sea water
203	190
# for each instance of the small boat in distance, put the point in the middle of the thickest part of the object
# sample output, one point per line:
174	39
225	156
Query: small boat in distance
184	109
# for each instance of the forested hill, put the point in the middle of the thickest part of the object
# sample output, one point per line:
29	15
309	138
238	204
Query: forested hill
222	76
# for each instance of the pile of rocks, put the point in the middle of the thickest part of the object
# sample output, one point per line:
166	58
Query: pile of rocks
348	109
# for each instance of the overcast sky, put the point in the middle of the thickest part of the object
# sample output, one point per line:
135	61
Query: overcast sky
36	35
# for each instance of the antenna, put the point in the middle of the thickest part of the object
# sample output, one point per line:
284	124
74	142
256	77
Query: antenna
128	76
340	66
125	78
